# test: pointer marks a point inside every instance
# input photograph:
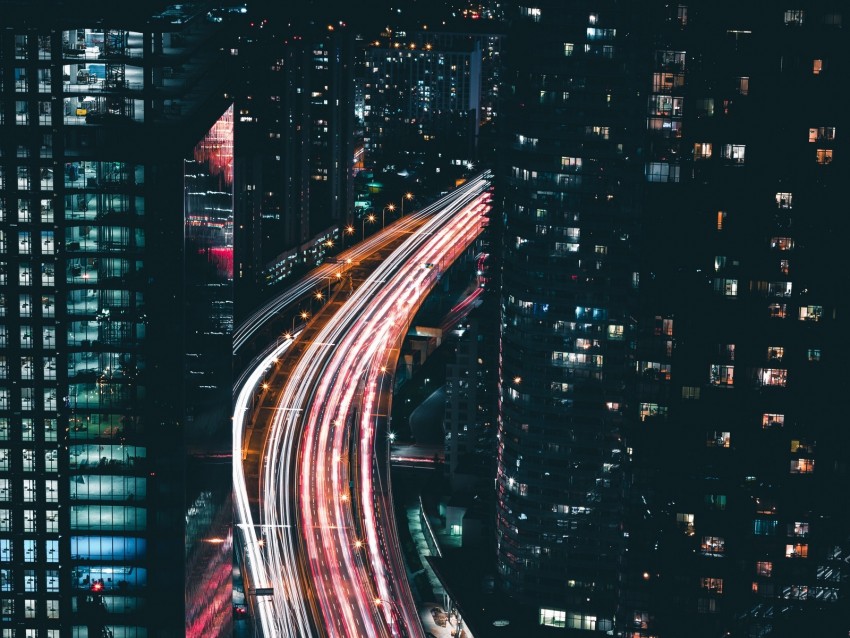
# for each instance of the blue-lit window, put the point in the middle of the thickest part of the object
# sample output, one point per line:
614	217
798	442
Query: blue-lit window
765	526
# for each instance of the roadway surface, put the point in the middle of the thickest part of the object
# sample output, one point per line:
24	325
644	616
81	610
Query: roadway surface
317	537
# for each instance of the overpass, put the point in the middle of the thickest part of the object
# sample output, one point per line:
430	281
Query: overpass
315	530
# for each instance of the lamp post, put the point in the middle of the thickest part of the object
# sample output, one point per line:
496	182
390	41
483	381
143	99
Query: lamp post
407	196
349	230
379	602
304	316
370	219
389	207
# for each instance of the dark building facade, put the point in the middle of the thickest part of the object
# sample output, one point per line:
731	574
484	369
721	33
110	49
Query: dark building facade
571	201
669	457
738	453
295	131
116	181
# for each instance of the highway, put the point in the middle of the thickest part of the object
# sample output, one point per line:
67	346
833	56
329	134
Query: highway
319	549
318	277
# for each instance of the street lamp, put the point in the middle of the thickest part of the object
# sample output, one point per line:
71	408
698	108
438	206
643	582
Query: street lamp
391	208
407	196
304	316
349	230
371	220
379	602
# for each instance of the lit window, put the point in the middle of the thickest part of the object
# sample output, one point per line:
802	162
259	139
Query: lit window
641	620
667	81
799	529
797	550
571	164
714	585
781	243
662	172
765	526
682	14
553	617
813	354
721	375
784	200
721	219
824	156
702	150
665	105
615	332
718	439
734	152
802	445
811	313
600	34
820	134
772	420
794	17
764	568
568	48
817	67
726	287
777	310
713	546
649	410
802	466
772	377
744	85
670	60
530	12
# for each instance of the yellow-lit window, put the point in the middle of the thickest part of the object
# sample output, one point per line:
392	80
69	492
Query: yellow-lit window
797	550
702	150
772	420
824	156
802	466
714	585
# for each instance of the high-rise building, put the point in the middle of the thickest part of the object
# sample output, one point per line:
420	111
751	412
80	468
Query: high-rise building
295	130
669	457
738	454
570	190
422	97
116	235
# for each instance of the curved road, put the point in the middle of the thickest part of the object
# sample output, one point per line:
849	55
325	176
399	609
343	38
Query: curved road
329	563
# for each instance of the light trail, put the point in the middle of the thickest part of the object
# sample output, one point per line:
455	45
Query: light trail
334	551
304	287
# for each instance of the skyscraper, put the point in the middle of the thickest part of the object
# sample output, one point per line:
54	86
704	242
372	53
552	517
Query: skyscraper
295	130
116	184
570	188
738	452
669	458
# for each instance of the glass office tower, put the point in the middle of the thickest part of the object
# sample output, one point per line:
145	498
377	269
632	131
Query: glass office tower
97	115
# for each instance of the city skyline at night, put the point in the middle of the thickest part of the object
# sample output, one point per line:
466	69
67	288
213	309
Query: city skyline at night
427	319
